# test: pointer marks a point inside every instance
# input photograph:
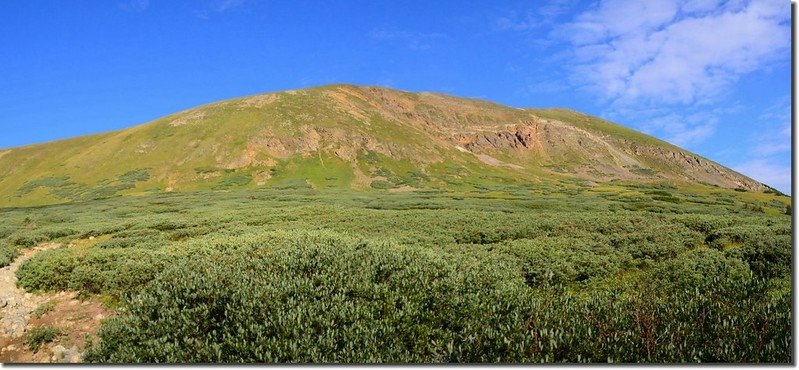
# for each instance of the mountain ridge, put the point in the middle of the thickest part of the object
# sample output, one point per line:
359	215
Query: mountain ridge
348	136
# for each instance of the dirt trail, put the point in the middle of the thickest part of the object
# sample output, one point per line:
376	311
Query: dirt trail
76	319
17	305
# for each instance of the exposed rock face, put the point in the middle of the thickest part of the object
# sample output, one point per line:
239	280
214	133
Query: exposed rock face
592	155
697	168
518	137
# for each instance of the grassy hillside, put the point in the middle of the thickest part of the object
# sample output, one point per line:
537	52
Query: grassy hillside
348	137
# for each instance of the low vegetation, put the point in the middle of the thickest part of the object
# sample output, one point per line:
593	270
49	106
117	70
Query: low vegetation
43	309
36	337
504	274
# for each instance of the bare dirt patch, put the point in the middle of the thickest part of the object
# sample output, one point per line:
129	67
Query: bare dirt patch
188	117
402	189
75	319
258	101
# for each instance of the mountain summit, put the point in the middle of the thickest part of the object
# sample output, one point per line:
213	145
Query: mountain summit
345	136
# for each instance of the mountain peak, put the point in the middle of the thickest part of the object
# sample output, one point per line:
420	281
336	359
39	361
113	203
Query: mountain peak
350	136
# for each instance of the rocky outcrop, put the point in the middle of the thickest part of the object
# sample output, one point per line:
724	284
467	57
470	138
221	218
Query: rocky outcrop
696	168
519	137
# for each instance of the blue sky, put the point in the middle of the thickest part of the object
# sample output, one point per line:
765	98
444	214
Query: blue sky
712	76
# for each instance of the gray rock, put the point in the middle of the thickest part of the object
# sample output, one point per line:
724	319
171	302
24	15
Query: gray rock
58	353
63	354
72	355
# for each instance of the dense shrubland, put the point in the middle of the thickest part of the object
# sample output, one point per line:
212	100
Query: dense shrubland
306	276
310	297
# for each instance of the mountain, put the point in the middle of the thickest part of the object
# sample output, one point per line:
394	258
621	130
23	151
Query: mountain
353	137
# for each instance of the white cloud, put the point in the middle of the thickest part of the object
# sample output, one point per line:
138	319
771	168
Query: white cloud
674	52
615	19
684	130
768	172
771	147
688	128
661	64
543	15
775	135
694	134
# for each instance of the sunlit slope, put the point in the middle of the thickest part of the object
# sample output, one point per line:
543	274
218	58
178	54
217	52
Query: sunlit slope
343	136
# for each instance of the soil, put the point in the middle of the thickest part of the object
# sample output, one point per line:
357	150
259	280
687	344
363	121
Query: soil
76	319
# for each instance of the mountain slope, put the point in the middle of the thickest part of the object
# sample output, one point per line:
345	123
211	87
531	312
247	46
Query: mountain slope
344	136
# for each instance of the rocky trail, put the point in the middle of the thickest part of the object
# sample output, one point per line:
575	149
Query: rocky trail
75	319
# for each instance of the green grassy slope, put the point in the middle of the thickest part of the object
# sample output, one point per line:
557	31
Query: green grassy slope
343	136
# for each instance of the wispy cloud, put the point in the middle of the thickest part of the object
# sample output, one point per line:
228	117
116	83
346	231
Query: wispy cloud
416	41
136	6
775	135
767	172
674	52
544	15
680	57
686	127
767	160
666	67
682	129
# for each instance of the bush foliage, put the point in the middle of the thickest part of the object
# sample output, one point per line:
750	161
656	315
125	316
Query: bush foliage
503	274
326	298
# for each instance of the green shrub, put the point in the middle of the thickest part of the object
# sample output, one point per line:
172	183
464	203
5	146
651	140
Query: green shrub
206	169
57	232
142	242
98	270
726	320
44	308
322	297
39	336
563	260
381	184
233	180
5	231
768	256
26	239
696	269
669	199
7	253
656	242
141	174
318	298
766	249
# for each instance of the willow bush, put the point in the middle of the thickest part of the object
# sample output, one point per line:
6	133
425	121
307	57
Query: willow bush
321	297
493	276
